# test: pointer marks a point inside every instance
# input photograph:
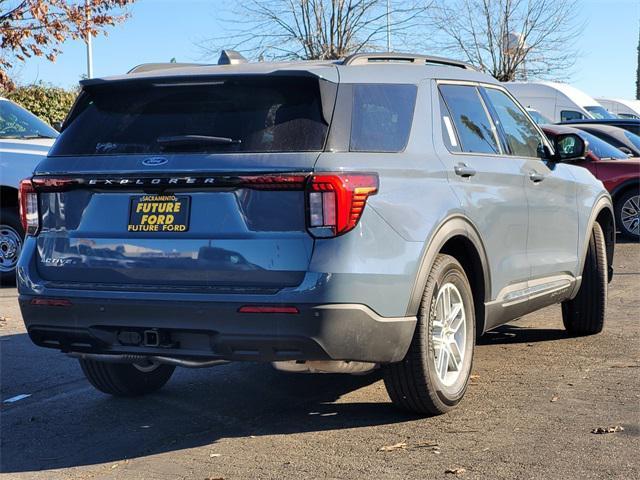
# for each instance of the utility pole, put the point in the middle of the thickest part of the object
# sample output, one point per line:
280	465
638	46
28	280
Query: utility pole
87	10
388	25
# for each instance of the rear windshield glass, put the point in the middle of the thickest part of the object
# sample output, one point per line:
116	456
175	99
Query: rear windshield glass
382	116
223	116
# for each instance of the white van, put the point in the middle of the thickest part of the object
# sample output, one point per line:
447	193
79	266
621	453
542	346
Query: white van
621	107
557	101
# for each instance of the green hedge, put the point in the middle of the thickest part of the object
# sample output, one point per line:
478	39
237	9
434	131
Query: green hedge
47	102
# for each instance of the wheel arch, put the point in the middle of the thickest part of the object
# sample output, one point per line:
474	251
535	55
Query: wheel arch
624	186
458	237
604	215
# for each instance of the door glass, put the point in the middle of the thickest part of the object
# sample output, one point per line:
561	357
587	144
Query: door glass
521	134
475	130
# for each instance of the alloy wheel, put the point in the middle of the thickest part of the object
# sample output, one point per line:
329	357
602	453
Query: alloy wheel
630	215
449	334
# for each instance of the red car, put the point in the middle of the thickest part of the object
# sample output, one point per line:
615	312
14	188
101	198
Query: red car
619	173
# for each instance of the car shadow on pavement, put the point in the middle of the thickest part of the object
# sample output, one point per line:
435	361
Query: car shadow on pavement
66	423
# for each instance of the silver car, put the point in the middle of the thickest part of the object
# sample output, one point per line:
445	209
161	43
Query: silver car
380	211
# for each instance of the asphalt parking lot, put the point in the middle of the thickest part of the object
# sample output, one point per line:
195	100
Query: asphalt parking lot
534	399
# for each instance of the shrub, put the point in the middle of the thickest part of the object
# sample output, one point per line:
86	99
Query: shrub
47	102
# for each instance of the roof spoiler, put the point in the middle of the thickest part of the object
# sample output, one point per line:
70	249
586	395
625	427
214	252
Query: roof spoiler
381	57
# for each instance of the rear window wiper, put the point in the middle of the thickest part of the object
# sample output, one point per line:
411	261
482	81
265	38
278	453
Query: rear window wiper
178	140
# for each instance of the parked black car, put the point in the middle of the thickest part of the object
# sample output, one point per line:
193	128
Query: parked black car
630	124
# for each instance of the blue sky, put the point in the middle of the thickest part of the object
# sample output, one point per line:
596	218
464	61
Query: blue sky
161	29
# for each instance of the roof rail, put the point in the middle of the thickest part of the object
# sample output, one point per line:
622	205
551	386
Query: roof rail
150	67
376	57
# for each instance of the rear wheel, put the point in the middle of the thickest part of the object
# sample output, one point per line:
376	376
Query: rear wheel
434	374
628	214
11	236
584	314
124	379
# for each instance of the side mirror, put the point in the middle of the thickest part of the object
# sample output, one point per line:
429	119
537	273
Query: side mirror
570	148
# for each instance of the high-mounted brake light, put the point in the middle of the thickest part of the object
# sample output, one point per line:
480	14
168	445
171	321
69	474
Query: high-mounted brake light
28	207
336	201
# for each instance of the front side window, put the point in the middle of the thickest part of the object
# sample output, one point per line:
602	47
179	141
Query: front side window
566	115
16	122
475	130
382	117
521	135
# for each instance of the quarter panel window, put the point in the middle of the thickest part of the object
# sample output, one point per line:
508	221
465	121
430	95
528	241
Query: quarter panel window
449	136
521	135
382	117
475	130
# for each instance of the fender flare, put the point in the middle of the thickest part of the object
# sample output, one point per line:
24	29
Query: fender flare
452	226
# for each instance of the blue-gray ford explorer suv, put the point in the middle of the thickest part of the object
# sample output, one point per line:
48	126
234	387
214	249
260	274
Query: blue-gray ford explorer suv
381	211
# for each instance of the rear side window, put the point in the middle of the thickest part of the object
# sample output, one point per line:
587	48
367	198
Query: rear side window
232	115
381	118
475	130
521	135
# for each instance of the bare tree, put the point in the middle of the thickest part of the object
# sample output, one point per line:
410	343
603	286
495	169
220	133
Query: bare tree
318	29
510	39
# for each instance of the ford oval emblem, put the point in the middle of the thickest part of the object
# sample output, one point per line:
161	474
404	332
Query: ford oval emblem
154	161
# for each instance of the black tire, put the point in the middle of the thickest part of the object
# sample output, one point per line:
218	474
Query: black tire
413	383
125	380
630	200
584	314
10	226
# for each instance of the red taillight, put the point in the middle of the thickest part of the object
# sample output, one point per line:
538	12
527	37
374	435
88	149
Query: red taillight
267	309
51	302
29	215
336	201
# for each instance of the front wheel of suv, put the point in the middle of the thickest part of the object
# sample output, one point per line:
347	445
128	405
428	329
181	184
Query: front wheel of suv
124	379
433	376
584	314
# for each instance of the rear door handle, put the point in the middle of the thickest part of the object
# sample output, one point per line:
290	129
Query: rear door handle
536	177
463	170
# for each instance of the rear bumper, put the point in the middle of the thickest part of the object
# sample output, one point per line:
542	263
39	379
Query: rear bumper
218	330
